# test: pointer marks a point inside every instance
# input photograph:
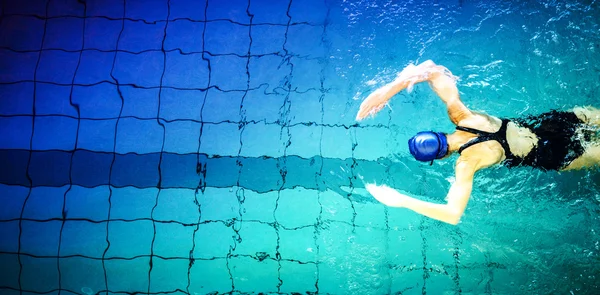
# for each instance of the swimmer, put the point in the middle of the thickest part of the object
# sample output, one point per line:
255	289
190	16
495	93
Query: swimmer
555	140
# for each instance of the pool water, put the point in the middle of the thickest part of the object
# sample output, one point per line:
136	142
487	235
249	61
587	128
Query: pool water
210	147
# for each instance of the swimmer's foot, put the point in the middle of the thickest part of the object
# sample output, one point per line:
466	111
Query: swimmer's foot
406	79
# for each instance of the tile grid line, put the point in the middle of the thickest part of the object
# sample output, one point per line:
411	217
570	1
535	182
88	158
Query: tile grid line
236	225
483	266
76	107
200	167
178	50
156	87
386	211
160	21
184	224
29	160
424	248
110	195
164	69
245	122
285	120
319	174
457	241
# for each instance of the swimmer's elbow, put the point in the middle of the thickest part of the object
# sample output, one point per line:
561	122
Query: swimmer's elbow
453	217
448	215
454	220
445	213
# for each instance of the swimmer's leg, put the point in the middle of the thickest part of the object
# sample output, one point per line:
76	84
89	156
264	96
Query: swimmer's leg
589	115
589	159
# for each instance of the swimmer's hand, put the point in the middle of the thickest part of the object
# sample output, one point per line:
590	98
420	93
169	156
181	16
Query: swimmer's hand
386	195
409	76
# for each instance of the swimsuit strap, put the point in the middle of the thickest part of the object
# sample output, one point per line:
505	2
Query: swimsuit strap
475	141
499	136
474	131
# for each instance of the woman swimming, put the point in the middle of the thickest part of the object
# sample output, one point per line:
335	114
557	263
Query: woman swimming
555	140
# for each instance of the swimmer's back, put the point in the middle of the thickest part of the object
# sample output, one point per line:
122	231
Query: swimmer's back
547	141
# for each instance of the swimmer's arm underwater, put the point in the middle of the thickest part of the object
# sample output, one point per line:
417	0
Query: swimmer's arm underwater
451	212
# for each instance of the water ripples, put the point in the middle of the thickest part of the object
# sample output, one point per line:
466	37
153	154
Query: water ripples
513	59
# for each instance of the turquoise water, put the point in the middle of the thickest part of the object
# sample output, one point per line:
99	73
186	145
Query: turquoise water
194	147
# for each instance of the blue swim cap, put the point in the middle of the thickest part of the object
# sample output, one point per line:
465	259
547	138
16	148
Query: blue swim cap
428	145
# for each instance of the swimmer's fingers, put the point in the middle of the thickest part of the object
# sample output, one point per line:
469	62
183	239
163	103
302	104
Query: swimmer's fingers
423	72
385	195
417	73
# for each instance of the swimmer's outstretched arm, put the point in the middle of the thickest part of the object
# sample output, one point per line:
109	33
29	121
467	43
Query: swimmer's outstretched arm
451	212
440	80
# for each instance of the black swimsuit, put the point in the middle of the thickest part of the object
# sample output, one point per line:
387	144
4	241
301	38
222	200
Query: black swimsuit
557	146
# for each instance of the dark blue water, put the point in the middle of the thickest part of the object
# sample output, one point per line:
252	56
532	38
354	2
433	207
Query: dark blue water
210	147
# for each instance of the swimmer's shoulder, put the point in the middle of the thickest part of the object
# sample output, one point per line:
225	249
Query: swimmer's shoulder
481	121
485	154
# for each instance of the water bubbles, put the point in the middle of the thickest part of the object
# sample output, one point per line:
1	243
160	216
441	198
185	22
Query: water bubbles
371	82
554	36
87	291
557	61
351	239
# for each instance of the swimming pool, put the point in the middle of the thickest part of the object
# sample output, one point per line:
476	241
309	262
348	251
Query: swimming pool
196	147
